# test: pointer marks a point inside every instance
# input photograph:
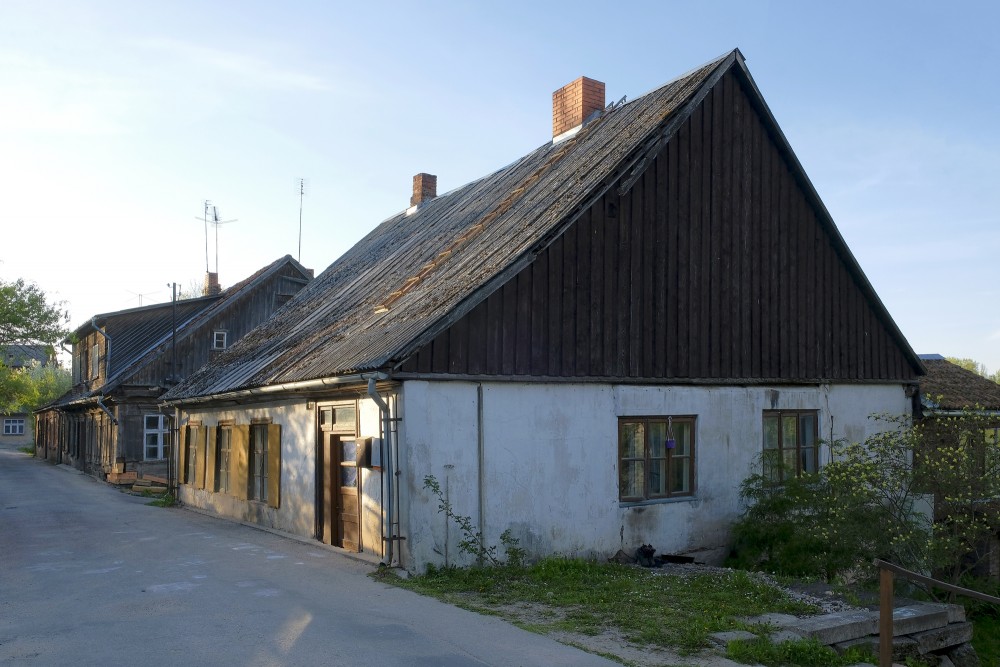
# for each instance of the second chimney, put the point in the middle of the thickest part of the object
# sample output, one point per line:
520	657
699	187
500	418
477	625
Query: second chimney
212	284
574	103
424	188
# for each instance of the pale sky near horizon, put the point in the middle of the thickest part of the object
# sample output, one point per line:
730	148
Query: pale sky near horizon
119	119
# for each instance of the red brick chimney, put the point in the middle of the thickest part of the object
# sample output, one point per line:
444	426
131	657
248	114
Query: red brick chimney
424	188
574	103
212	284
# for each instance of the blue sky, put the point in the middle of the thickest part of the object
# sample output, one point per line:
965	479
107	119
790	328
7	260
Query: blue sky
118	119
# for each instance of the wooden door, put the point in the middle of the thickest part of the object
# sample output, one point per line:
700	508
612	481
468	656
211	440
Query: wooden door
341	492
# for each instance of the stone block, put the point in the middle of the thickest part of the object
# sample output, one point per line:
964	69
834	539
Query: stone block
837	627
952	634
723	638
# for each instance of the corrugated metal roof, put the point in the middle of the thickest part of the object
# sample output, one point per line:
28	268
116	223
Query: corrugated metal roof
138	334
18	356
409	275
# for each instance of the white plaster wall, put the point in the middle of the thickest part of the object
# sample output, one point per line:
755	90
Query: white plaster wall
551	470
297	510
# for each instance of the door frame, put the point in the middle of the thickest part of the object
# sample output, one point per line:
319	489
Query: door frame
327	485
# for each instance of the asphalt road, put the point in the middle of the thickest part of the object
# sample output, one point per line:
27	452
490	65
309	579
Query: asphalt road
92	576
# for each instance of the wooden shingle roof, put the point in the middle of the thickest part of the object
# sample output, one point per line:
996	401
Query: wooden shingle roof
384	295
420	271
948	386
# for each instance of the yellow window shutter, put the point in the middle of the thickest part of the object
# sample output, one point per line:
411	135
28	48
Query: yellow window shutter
199	461
274	465
208	436
238	457
182	457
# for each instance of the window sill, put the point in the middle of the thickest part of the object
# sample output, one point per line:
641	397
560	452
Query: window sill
657	501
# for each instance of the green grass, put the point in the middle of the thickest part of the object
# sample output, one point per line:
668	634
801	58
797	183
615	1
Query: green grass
986	639
648	608
27	449
804	653
162	500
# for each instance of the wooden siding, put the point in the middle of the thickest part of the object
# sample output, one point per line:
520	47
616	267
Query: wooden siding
194	349
713	266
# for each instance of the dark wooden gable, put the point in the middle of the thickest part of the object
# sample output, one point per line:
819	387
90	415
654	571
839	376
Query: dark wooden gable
714	265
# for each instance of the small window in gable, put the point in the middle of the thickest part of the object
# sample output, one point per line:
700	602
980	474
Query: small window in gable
219	340
95	365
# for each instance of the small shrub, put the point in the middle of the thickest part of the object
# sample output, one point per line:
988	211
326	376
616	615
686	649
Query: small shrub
27	449
473	542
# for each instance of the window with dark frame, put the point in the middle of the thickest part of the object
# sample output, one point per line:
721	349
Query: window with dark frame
192	454
656	457
13	426
223	450
258	463
791	443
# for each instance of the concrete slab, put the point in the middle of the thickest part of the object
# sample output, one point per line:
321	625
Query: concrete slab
837	627
918	618
775	620
782	636
952	634
902	647
723	638
964	655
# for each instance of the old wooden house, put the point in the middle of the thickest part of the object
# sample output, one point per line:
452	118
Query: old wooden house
110	420
589	347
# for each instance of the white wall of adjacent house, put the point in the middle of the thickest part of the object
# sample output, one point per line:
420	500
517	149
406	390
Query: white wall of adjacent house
548	458
296	512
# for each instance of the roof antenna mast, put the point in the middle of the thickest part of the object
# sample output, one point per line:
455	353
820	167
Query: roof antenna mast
214	219
302	192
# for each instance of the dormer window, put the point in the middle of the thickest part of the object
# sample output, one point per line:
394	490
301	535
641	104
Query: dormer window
219	340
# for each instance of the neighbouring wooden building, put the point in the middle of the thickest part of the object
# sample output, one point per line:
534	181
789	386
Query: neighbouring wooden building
589	347
110	421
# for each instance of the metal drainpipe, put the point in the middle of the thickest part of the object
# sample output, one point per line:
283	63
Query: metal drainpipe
107	376
481	450
388	464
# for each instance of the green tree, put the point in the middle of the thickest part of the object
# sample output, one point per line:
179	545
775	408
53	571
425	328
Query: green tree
28	318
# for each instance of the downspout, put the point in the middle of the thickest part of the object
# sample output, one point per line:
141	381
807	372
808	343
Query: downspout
388	464
100	404
107	375
481	445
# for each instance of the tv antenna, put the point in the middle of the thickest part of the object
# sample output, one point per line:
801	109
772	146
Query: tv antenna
211	215
302	192
140	295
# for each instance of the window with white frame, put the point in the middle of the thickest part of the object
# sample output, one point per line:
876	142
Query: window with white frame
655	457
13	426
156	436
219	340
